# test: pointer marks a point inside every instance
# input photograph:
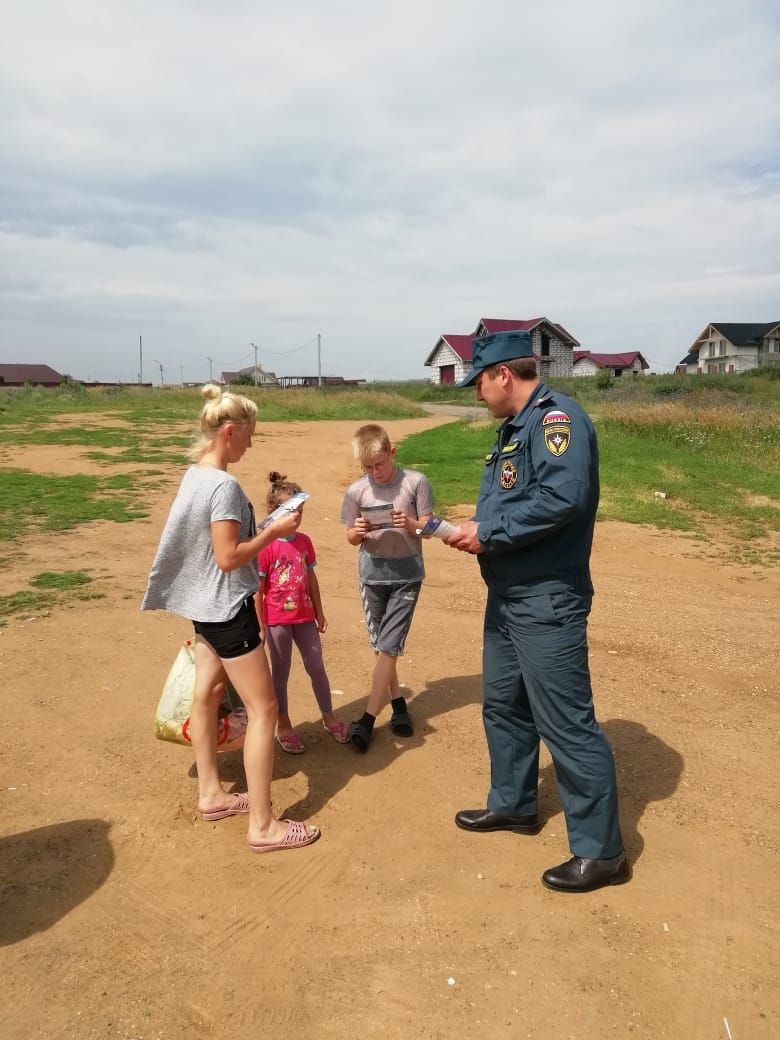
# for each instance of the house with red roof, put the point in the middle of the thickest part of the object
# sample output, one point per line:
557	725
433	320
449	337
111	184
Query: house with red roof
450	359
586	363
36	375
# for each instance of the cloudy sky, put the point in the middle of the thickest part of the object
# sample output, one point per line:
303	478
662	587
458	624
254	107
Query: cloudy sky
214	173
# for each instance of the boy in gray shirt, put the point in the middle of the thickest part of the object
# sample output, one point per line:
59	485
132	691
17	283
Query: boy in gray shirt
390	566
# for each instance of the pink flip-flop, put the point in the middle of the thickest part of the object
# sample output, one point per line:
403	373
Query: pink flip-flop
338	732
241	805
291	743
298	834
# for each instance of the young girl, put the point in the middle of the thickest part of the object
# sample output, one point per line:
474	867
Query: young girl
206	570
289	608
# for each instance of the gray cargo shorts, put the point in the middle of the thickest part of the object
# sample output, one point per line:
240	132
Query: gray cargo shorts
389	610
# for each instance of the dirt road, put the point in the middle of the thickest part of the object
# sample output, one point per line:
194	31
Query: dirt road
124	916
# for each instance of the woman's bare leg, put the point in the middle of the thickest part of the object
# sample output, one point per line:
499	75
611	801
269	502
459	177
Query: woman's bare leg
251	676
209	686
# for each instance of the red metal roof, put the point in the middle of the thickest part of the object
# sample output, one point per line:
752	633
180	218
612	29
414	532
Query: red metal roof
460	344
524	324
624	360
20	374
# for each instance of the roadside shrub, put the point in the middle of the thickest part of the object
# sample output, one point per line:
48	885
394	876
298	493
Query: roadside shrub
605	380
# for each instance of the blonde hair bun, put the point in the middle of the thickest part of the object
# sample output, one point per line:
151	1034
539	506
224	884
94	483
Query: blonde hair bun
211	391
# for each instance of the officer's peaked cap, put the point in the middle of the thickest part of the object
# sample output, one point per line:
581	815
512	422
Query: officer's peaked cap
498	347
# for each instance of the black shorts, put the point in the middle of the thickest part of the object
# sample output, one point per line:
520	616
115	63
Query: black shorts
232	638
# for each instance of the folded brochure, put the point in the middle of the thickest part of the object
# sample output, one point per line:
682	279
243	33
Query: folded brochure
378	516
436	527
293	503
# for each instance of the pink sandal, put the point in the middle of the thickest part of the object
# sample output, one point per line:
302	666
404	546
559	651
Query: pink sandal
298	834
338	732
291	743
240	805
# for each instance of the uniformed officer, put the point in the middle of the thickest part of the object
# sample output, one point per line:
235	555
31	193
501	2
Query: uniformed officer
532	532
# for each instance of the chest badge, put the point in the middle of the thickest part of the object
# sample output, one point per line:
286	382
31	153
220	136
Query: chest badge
508	475
557	432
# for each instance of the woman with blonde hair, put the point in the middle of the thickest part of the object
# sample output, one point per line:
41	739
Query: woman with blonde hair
206	570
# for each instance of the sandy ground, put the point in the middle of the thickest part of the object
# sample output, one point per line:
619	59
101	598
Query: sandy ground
123	915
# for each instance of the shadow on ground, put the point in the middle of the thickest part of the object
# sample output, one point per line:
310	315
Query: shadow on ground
648	769
47	872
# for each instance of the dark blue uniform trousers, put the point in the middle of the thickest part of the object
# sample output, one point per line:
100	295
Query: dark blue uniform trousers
537	685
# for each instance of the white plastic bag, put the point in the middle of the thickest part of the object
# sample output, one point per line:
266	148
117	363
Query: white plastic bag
172	718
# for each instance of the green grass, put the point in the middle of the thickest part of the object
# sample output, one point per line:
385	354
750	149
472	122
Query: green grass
175	405
710	443
718	467
60	579
50	589
33	501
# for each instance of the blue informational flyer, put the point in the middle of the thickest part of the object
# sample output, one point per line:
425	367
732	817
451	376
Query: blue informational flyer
436	527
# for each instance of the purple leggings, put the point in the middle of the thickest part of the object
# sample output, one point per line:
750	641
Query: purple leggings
279	639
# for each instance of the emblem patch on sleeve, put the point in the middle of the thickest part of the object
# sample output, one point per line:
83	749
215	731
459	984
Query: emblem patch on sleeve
508	475
557	432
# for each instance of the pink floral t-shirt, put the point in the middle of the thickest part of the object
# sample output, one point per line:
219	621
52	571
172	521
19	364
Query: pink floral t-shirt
285	565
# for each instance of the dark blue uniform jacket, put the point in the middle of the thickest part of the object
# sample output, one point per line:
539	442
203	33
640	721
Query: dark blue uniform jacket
538	499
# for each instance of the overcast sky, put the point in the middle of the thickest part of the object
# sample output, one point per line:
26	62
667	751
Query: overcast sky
215	174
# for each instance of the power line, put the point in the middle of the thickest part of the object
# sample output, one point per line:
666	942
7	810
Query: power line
285	353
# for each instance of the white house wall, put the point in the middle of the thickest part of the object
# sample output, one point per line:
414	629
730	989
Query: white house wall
559	362
445	355
585	367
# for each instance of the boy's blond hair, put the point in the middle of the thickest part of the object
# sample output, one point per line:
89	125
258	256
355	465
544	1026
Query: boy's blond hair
369	441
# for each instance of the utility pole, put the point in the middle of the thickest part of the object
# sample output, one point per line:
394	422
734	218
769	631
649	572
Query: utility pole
211	370
181	374
140	359
319	360
162	381
255	350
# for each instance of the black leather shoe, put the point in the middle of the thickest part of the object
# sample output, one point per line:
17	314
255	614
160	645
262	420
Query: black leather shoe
486	820
585	875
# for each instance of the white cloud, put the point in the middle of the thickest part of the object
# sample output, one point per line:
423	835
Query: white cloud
210	174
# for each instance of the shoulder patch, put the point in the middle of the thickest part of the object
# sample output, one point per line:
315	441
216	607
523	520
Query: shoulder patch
555	417
557	435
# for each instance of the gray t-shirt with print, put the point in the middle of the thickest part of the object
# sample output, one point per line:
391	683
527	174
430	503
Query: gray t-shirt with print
390	556
185	578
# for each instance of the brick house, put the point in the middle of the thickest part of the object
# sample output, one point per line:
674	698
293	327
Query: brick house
729	347
38	375
586	363
450	359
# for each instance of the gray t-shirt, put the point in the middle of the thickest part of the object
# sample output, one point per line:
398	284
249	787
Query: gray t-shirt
185	577
390	556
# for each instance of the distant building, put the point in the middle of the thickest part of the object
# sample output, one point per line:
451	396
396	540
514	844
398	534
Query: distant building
728	347
292	382
450	359
38	375
263	378
586	363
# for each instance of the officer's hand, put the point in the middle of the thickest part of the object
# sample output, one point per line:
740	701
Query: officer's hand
465	538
